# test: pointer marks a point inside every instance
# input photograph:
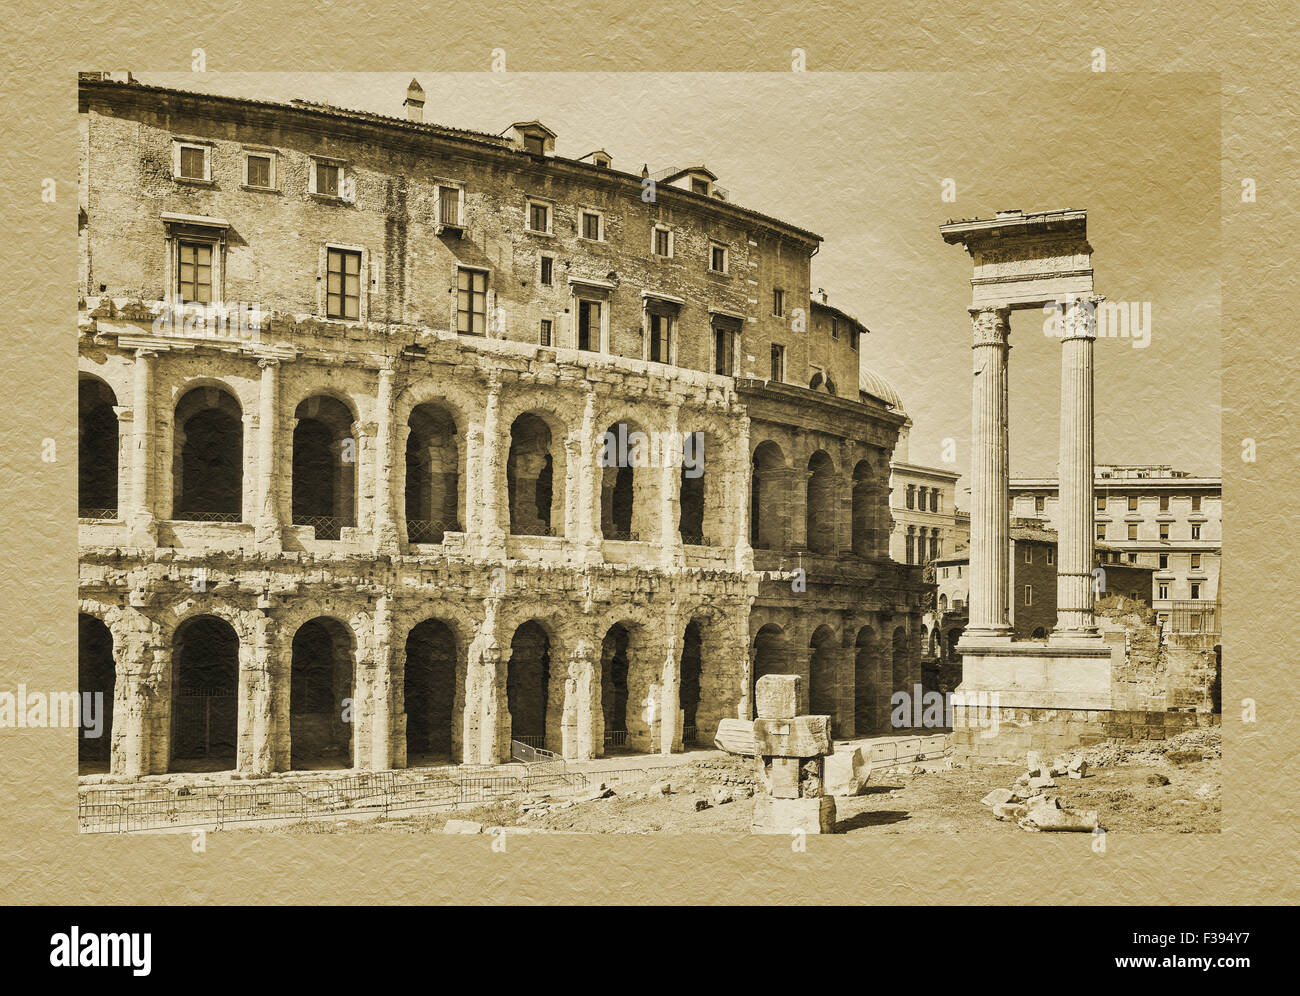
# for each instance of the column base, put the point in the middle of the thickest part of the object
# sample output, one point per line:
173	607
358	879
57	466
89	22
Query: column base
1090	636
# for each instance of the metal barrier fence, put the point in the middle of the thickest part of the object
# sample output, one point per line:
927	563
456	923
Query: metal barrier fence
132	808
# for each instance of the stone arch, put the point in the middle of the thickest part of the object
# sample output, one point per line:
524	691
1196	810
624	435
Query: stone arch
535	474
532	670
864	512
689	681
630	664
900	672
866	682
823	673
97	449
435	470
324	466
96	675
629	468
207	455
433	674
768	497
771	654
821	501
205	694
322	674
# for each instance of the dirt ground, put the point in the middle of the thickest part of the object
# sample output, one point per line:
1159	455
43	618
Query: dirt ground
1172	786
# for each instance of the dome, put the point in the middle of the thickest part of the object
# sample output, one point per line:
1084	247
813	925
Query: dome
877	386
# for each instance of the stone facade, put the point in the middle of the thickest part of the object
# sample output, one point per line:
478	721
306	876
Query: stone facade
356	508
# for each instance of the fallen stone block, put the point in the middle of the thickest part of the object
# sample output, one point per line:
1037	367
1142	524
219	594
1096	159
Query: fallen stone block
1057	820
784	816
997	797
701	805
663	788
1009	812
462	826
1042	781
1033	761
720	795
847	772
1157	779
1078	768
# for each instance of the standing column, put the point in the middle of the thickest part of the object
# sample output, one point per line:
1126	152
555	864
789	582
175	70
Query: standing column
268	511
670	484
990	483
1074	557
385	522
142	512
489	478
741	501
380	705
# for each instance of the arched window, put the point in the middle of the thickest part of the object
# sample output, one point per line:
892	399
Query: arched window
97	448
324	467
820	507
205	695
433	501
528	677
531	478
207	457
430	693
97	676
768	498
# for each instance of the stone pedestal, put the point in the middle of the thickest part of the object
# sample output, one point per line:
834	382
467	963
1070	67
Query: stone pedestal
786	816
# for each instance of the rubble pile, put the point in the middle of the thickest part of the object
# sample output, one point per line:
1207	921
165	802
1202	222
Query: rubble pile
1032	807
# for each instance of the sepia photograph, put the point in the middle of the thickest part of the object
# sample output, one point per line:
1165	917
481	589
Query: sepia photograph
648	453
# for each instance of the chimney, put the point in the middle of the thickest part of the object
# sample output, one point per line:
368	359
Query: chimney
414	102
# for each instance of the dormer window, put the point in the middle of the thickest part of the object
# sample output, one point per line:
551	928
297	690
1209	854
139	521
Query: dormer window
535	144
699	186
604	162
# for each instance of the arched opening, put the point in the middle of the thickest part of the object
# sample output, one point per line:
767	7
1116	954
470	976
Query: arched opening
626	494
432	475
902	676
770	654
866	685
1039	633
205	695
820	510
207	457
953	636
321	677
614	665
823	687
691	498
531	476
863	510
528	678
1216	683
96	676
943	603
324	467
430	691
768	498
688	687
97	449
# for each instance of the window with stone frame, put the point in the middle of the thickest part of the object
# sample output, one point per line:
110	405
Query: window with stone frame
259	170
194	271
661	332
343	284
471	301
539	217
546	271
544	333
591	226
778	362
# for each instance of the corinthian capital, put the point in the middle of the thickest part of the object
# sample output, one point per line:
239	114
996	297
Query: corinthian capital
990	326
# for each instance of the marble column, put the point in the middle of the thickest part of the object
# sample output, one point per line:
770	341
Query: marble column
990	483
670	486
268	511
1074	558
490	477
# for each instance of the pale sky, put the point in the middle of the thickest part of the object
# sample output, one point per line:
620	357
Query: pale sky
860	158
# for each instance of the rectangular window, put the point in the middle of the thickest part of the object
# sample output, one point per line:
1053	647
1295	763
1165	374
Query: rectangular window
1101	503
778	303
544	334
853	339
343	284
591	226
835	328
1196	589
1101	530
778	362
258	171
718	258
1164	530
1132	503
724	341
471	301
1196	561
193	163
1196	530
1164	503
1029	594
194	272
663	242
1029	555
327	179
1162	590
1051	556
547	275
1164	561
699	186
535	144
1040	504
449	206
660	338
1196	503
589	325
539	217
1133	530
